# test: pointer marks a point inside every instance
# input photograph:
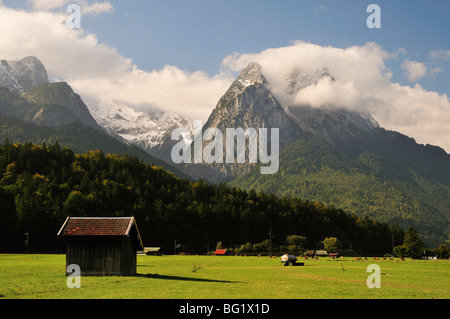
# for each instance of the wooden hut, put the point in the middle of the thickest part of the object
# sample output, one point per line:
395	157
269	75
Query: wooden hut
102	246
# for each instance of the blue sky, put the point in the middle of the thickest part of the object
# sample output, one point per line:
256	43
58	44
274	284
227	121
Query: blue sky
187	48
198	34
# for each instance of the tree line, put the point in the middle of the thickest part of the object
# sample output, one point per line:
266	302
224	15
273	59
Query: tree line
40	185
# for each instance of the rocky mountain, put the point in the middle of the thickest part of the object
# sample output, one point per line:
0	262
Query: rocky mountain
250	103
49	104
34	110
22	75
247	104
151	130
345	159
327	121
331	155
60	104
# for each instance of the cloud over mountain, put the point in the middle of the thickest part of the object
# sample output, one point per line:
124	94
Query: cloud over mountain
358	80
358	76
98	71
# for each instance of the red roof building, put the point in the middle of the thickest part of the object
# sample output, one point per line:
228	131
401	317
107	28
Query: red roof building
221	252
102	246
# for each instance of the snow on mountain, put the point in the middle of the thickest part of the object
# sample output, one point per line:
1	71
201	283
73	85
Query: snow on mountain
22	75
146	130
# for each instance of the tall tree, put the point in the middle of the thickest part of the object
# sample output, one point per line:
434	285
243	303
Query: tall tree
412	243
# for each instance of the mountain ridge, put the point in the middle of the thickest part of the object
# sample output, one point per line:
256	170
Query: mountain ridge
21	75
332	155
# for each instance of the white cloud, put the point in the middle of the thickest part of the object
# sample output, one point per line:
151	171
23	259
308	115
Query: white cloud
46	5
192	95
86	7
362	82
414	70
97	71
97	8
355	69
440	54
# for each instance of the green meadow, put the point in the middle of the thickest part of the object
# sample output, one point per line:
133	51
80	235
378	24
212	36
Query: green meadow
228	277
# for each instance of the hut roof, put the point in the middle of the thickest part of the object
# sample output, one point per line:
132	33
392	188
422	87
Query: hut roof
220	252
101	226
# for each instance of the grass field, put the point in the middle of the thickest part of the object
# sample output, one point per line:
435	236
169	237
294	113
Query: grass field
214	277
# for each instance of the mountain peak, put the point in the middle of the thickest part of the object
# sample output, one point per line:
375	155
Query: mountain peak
251	74
147	130
22	75
298	79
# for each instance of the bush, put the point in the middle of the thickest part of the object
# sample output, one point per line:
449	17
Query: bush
400	251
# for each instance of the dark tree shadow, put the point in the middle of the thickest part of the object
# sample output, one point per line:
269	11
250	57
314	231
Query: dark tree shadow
165	277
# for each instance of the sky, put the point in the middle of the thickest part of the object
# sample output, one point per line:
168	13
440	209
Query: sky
181	56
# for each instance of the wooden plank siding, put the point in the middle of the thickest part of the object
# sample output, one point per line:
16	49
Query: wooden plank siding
102	256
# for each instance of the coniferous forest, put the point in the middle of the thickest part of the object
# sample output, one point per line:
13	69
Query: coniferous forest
40	185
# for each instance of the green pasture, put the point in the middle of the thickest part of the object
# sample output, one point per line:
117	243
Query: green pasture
228	277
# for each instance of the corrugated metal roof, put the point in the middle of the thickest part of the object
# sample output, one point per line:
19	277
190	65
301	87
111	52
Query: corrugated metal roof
96	226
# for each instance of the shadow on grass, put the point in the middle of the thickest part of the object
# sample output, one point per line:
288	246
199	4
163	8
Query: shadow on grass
165	277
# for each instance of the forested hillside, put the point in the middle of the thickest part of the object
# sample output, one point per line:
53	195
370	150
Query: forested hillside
40	185
385	176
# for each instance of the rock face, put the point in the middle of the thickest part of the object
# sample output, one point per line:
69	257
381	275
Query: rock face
60	105
50	104
150	131
247	104
22	75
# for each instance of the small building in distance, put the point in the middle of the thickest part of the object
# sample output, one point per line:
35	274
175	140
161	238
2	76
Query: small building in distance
102	246
333	255
155	251
221	252
321	253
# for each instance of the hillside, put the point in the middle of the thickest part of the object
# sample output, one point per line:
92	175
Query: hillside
385	176
76	136
59	97
41	185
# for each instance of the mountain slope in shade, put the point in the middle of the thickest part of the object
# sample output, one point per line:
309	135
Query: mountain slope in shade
23	120
384	175
55	98
22	75
343	158
78	137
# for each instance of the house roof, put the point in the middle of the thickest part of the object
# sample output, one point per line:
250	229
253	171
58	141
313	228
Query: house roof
101	226
220	252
